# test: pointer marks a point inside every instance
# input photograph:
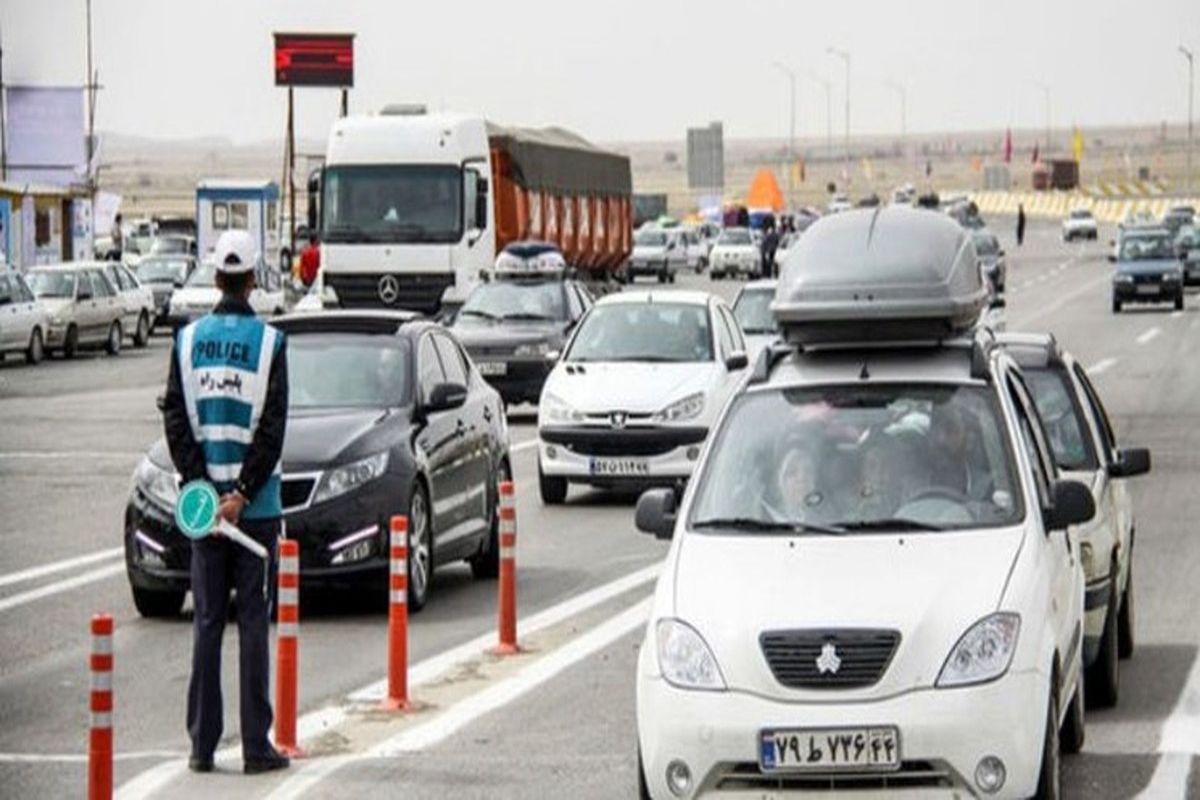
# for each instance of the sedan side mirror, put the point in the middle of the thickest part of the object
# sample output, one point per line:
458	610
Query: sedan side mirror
655	513
1130	462
736	361
1071	504
446	396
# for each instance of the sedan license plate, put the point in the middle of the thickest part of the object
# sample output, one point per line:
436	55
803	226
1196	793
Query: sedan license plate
829	749
620	467
492	368
1147	288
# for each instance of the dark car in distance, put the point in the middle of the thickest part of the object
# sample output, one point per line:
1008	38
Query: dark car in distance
387	415
1148	271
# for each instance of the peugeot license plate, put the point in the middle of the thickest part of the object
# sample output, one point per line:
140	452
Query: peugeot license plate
1147	288
620	467
829	749
492	367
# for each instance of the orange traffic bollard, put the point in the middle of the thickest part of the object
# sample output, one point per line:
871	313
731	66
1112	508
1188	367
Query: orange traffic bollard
100	738
507	622
397	691
287	650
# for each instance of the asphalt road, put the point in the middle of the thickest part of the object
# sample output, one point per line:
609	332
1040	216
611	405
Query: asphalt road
72	432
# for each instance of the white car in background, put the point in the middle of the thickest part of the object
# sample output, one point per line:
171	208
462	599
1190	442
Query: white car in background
83	307
630	402
199	294
752	310
136	299
1079	224
659	252
23	321
735	254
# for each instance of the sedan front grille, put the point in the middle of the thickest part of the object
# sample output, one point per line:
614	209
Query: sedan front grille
829	659
747	776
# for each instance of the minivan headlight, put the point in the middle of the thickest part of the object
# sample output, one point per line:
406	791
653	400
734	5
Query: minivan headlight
984	651
336	482
684	658
687	408
159	484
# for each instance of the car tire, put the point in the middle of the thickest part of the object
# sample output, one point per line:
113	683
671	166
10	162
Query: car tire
485	565
157	605
671	279
643	789
1179	301
420	548
1104	675
36	349
141	336
1071	735
1049	785
701	265
1125	617
113	345
552	489
1116	306
71	342
662	276
716	276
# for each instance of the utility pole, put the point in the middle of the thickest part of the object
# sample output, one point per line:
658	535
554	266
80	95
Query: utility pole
3	131
791	76
91	101
828	112
842	54
1191	96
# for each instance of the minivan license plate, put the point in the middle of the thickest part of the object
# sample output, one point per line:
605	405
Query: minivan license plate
829	749
620	467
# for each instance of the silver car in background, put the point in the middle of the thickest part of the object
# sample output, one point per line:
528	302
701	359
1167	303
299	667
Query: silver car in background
83	306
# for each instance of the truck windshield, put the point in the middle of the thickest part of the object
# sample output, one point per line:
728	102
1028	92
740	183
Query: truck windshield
393	203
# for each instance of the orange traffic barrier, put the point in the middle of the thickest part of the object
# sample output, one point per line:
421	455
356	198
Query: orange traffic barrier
100	738
287	649
397	692
507	622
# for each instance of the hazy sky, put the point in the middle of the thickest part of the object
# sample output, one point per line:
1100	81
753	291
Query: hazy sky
621	69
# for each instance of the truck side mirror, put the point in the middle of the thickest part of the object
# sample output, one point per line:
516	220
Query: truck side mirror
481	204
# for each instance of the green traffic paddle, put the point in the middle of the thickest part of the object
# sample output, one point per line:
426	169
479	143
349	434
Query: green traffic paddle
196	516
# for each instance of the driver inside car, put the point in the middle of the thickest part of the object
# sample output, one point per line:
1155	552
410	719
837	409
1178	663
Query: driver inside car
958	461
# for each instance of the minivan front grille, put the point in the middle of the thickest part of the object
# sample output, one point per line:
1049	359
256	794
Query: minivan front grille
747	776
829	659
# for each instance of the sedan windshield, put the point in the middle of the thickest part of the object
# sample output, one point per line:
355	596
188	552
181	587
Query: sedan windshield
393	203
1146	248
753	311
649	238
204	277
347	371
674	332
516	301
741	237
169	245
843	459
162	270
52	284
1061	418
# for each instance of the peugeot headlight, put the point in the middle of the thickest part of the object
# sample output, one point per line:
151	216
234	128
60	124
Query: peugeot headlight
687	408
537	349
684	659
159	484
337	482
984	651
554	409
1122	277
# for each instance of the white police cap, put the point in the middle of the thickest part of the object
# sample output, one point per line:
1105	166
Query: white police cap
236	253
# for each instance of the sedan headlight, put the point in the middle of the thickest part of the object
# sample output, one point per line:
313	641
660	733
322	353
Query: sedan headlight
984	651
537	349
337	482
159	484
1121	277
554	409
687	408
684	658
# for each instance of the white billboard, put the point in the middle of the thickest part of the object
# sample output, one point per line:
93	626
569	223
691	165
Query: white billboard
46	134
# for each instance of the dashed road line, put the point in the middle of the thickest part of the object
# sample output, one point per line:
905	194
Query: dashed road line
33	573
61	586
1149	336
82	758
74	455
1101	366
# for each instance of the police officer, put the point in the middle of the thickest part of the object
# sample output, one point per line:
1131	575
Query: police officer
225	411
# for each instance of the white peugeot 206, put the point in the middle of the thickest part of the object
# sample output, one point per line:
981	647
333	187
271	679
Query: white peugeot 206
632	398
872	587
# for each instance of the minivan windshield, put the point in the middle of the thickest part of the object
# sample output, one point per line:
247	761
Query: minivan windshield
752	309
392	203
342	370
669	332
850	459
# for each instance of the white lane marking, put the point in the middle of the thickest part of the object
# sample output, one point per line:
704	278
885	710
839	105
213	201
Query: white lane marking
1103	365
59	587
525	445
59	566
74	455
152	781
82	758
1176	314
1170	777
1178	742
457	716
1149	336
1061	301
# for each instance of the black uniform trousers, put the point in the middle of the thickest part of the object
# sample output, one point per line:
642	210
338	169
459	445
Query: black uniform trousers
218	566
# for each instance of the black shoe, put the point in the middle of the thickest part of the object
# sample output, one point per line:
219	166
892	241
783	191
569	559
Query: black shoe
267	762
198	764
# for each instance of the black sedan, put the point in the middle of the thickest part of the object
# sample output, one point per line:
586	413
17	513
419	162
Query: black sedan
387	415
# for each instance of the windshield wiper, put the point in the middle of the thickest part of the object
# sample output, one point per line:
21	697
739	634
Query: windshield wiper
767	526
525	316
475	312
894	524
649	358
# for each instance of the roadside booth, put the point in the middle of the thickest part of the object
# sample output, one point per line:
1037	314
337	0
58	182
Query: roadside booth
248	205
44	224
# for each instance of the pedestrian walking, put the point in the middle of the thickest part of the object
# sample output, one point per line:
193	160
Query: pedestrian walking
225	411
1020	224
770	244
310	261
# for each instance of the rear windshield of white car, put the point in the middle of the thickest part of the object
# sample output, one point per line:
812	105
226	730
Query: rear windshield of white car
667	332
753	311
52	284
855	459
735	238
335	370
1062	419
650	238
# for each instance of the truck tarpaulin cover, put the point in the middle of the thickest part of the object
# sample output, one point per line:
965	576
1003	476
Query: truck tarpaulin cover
556	160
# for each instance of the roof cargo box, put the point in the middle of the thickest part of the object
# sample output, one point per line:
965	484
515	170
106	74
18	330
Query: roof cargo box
890	274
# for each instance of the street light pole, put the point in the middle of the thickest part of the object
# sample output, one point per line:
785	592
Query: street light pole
842	54
899	89
1191	95
791	76
828	112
